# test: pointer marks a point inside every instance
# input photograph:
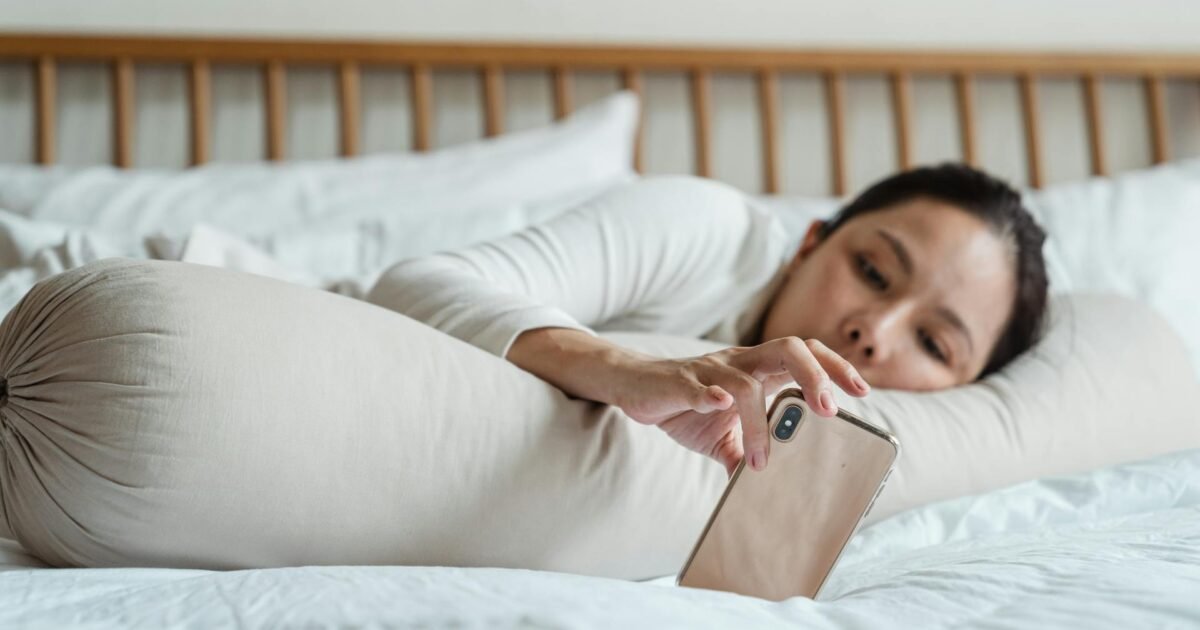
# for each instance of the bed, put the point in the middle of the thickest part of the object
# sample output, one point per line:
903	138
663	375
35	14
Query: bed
1115	547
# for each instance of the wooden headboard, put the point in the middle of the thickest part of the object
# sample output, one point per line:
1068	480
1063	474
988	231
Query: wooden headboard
276	56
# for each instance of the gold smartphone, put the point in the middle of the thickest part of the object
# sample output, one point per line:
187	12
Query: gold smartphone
777	533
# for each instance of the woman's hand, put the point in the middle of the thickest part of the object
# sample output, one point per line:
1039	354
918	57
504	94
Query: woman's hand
715	404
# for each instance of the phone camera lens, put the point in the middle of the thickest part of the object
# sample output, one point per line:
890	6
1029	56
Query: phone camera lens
789	423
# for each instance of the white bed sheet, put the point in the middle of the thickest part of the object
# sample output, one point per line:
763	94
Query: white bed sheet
1115	548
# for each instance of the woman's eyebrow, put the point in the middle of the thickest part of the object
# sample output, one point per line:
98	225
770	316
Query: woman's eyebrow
900	250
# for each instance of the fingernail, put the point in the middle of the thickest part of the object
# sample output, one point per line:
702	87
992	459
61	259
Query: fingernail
860	383
758	459
827	400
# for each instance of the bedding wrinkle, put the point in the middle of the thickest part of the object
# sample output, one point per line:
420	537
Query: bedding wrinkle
6	470
36	470
44	317
54	435
607	275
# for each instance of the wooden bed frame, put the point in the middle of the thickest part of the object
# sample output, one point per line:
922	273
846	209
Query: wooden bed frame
274	56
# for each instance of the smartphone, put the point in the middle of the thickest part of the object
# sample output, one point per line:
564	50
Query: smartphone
777	533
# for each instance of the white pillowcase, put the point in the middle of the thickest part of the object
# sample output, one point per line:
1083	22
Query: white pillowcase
33	250
1133	234
348	217
798	212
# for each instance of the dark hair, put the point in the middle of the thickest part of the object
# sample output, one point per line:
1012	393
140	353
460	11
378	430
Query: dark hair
995	202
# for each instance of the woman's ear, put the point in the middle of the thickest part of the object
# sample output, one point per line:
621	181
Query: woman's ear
812	238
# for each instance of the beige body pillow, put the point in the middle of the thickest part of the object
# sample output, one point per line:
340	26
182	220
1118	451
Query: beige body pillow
167	414
1110	382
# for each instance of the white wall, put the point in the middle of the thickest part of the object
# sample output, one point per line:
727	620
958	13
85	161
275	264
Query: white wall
1036	24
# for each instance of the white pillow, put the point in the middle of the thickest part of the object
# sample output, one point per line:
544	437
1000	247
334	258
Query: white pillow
797	212
1133	234
33	250
343	218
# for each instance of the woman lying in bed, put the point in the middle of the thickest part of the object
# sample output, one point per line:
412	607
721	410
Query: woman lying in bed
929	279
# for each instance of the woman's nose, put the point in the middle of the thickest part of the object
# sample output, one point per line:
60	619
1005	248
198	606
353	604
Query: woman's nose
863	344
867	348
869	339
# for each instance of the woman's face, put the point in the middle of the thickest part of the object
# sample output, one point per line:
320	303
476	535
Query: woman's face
915	295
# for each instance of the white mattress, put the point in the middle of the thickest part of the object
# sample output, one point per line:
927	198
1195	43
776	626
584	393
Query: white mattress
1115	548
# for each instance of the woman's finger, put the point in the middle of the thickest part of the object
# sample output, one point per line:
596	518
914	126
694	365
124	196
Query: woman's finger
727	444
723	434
751	404
775	382
839	369
729	452
710	398
793	355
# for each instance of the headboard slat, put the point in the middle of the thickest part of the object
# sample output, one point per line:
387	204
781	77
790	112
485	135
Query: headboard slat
45	82
122	94
275	88
902	114
349	105
768	102
702	117
1160	147
421	91
199	105
1029	112
964	93
493	100
563	103
1095	123
631	79
835	94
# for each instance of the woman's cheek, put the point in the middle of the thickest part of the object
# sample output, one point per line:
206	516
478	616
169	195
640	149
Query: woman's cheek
842	289
909	373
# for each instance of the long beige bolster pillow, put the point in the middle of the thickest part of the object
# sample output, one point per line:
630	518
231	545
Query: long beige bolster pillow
167	414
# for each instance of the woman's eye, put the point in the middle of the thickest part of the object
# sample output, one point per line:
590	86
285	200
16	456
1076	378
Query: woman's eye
931	346
872	274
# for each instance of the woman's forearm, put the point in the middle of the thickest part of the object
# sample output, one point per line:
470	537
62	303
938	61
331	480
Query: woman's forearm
580	364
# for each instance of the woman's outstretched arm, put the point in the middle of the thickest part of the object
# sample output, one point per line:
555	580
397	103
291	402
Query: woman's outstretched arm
668	254
664	254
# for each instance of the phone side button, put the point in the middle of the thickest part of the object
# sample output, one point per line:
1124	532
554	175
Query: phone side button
872	504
